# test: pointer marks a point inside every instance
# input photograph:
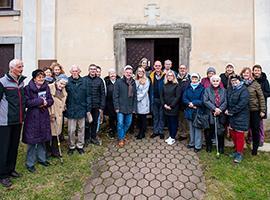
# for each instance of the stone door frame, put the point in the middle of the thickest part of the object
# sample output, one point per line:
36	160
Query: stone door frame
17	41
122	31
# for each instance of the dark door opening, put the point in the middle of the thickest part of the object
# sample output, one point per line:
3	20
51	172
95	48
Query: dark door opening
153	49
6	55
167	49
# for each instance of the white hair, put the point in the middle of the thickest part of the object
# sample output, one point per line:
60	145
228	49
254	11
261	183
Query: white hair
215	77
74	67
14	62
111	70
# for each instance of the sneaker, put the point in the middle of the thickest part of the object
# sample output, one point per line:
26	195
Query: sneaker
238	158
80	150
168	139
6	182
171	142
233	155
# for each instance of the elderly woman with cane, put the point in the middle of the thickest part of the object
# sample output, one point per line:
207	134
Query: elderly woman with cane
215	100
59	96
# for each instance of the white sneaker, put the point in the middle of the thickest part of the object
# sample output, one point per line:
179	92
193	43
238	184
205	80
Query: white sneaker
171	142
168	139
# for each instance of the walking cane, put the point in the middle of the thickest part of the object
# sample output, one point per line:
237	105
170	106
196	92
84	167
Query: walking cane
216	135
58	143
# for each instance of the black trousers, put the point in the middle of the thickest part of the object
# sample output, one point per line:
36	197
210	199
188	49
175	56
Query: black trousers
112	123
9	143
209	134
142	124
255	127
92	132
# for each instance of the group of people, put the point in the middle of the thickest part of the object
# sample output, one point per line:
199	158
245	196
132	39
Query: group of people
181	101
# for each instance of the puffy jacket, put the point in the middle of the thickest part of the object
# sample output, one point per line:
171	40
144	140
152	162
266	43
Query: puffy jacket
256	97
12	100
77	103
237	106
143	102
196	97
121	100
96	91
37	127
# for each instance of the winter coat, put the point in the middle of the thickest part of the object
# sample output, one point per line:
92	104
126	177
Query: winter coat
77	103
143	102
265	88
121	100
206	83
37	127
96	91
57	109
183	83
152	82
109	107
237	106
170	95
256	97
12	100
209	102
196	97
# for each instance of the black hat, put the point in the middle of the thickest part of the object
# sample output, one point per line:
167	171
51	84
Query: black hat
235	76
37	72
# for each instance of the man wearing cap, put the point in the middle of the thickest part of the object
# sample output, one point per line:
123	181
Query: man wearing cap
12	108
157	82
124	100
206	80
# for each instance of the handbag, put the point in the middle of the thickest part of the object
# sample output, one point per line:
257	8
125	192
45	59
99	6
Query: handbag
89	117
201	120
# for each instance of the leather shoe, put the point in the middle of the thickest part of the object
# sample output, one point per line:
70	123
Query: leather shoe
196	150
6	182
45	164
80	150
153	135
15	174
190	146
31	169
161	136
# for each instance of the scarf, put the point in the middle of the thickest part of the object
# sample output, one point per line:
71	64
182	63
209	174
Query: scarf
217	97
194	85
130	88
238	86
248	82
158	77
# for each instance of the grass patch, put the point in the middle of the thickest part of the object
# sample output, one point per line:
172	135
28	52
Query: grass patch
248	180
54	182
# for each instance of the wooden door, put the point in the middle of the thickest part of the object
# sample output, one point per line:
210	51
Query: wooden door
6	55
138	49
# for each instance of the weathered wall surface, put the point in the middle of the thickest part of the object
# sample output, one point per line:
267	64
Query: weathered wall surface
222	31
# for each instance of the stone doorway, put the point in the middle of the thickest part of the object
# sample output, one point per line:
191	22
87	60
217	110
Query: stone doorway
152	49
162	34
7	54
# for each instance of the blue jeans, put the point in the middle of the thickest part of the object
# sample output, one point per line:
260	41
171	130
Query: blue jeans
172	125
35	152
158	117
195	136
123	123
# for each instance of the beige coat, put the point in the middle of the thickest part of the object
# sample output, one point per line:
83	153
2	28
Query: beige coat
56	111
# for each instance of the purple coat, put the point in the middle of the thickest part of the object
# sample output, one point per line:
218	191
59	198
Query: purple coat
37	122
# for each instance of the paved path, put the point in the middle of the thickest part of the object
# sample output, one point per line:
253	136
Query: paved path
147	169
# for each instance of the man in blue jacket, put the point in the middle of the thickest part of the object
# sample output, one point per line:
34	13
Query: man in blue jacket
12	107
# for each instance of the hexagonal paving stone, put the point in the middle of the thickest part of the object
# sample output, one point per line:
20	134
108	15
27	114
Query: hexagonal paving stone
186	193
123	190
172	178
117	175
143	183
149	176
161	192
99	189
148	191
145	170
166	171
140	197
108	181
128	197
120	182
135	191
155	170
106	174
127	175
154	197
124	169
161	177
166	184
131	183
114	197
111	189
138	176
154	183
173	192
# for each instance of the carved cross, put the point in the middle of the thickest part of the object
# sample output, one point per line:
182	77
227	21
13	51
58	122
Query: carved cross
152	12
